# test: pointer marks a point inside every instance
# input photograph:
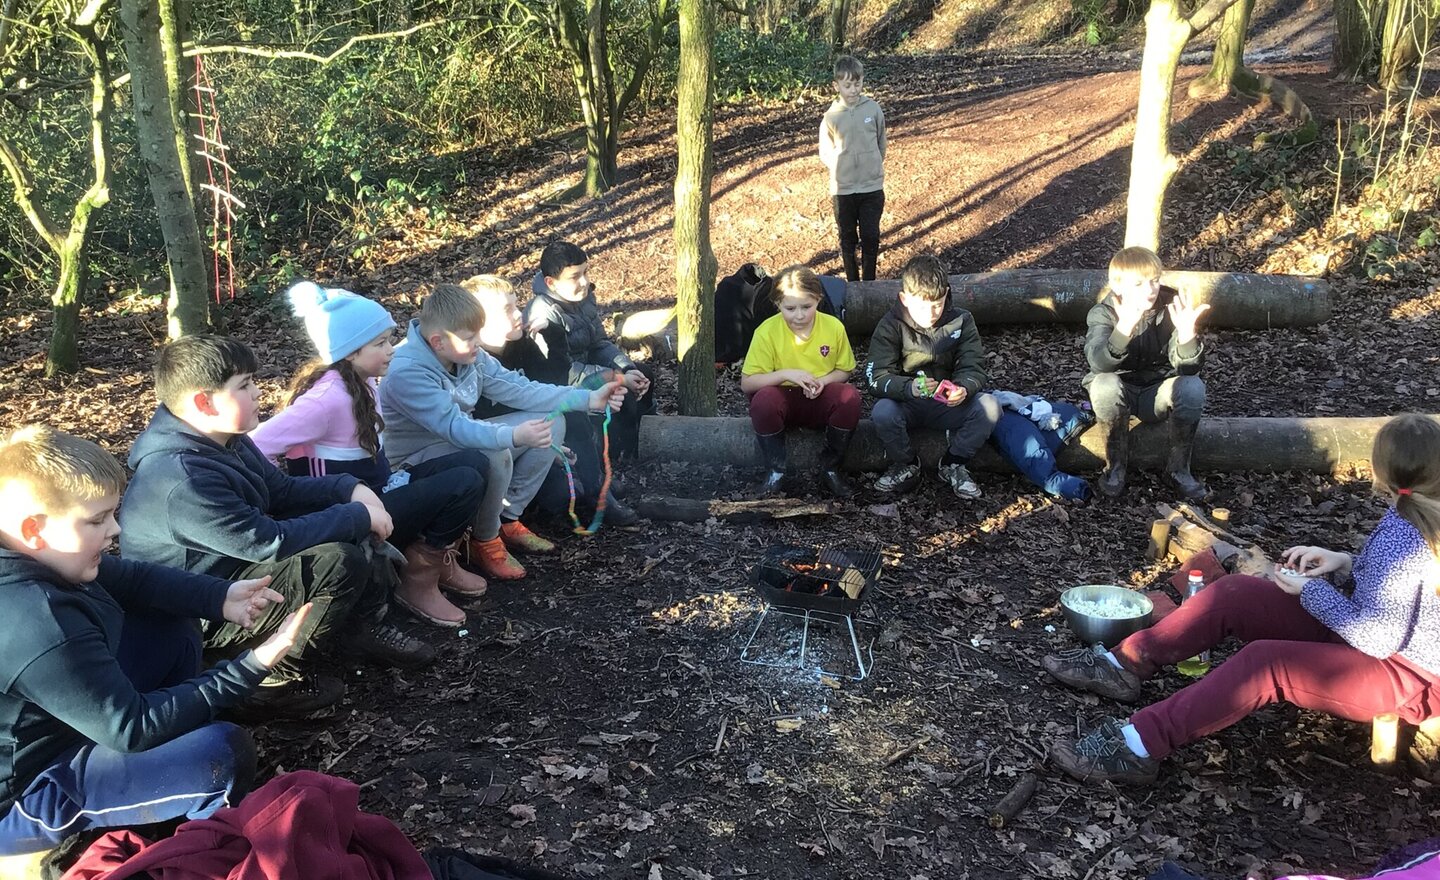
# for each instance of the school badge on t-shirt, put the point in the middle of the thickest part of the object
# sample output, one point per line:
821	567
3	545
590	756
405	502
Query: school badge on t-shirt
824	351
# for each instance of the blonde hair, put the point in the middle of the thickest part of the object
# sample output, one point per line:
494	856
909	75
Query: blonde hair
797	281
848	67
1135	261
450	309
60	469
1406	464
482	285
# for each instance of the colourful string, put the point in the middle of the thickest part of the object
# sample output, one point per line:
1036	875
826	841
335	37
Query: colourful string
570	476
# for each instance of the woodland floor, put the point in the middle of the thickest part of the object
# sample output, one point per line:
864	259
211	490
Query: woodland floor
595	718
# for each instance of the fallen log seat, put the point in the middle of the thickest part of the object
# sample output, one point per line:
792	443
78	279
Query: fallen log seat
1040	296
1322	445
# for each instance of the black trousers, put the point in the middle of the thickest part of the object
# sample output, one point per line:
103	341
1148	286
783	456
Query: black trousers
440	500
858	217
624	425
343	572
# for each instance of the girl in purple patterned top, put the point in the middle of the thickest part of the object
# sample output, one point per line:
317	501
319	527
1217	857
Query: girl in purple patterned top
1356	654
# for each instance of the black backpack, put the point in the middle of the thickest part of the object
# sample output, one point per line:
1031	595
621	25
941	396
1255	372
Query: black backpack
742	301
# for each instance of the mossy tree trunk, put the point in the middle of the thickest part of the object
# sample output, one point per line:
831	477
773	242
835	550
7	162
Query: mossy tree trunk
1227	67
582	34
695	265
1151	164
70	246
1405	40
1356	53
152	82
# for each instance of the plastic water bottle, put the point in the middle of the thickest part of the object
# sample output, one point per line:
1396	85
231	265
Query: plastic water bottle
1199	664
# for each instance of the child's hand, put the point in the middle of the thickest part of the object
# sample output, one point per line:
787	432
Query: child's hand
922	387
957	396
537	325
534	434
1291	585
278	647
1184	314
611	394
381	525
636	381
1313	561
246	601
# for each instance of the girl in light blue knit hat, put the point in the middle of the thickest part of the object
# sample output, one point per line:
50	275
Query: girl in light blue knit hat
330	424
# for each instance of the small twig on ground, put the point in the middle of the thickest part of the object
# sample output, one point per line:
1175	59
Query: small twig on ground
720	740
1098	862
896	757
1015	800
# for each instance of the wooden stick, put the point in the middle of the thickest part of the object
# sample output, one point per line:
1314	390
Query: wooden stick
1159	545
1014	801
906	752
700	509
1206	523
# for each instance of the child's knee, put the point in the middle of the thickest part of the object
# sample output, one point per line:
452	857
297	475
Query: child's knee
228	750
1187	397
1107	393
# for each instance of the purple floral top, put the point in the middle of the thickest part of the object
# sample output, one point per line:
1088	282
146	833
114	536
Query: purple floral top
1394	609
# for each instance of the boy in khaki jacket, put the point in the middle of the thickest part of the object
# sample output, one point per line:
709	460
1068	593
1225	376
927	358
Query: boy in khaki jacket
852	146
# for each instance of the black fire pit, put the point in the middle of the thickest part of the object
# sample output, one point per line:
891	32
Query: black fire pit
823	584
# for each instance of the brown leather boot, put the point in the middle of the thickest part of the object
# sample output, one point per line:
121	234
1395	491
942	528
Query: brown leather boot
456	579
419	590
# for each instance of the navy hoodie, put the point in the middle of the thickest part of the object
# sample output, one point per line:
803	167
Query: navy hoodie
60	684
203	507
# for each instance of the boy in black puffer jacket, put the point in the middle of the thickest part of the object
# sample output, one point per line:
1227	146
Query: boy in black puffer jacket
564	297
924	339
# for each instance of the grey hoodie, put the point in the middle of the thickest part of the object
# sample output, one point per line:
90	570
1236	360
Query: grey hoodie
427	409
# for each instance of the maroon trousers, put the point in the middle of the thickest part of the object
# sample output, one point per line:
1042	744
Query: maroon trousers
1288	656
777	407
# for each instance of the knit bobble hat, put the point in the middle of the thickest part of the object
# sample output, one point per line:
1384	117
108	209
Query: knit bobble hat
339	322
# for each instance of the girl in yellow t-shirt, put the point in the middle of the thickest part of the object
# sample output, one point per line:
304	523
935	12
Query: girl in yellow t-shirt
795	373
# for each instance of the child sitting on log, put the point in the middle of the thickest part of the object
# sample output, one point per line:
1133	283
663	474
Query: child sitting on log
106	718
331	424
923	339
565	298
1145	360
1307	642
1032	431
538	351
437	378
796	374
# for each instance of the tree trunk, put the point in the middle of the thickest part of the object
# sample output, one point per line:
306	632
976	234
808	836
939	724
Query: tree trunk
63	355
1409	24
1326	446
1356	54
71	246
1064	296
695	265
1227	68
1151	164
839	21
172	37
188	307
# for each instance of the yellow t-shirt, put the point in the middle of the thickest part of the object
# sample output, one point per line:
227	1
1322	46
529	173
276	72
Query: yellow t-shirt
774	347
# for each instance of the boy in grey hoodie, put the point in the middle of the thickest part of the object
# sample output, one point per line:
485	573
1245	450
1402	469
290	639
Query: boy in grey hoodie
852	146
436	378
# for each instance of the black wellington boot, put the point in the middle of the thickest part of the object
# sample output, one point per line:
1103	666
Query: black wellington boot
837	441
1177	472
772	453
1117	450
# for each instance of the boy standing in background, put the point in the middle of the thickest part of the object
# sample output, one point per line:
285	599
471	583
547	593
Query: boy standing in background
852	146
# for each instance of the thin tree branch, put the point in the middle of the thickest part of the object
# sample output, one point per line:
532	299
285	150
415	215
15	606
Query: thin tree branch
1208	14
303	55
25	199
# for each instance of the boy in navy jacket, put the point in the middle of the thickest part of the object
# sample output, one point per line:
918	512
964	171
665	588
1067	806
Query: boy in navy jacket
105	717
205	499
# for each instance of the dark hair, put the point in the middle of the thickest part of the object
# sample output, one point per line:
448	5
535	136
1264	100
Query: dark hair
204	362
1406	465
559	256
924	278
368	423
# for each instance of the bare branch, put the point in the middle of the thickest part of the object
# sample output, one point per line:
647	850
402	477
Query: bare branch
1208	14
731	6
301	54
25	196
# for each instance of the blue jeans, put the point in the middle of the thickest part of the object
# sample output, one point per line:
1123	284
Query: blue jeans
91	786
1033	451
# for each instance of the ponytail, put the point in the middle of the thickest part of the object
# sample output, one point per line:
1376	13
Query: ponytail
1406	465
